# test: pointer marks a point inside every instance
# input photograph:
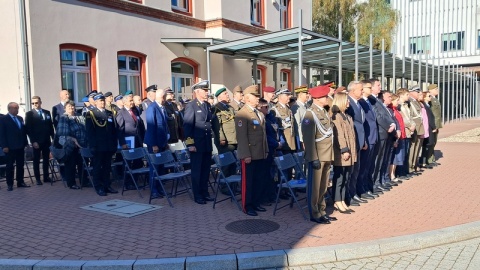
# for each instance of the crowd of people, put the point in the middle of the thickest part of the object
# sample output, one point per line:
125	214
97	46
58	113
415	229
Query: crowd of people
373	139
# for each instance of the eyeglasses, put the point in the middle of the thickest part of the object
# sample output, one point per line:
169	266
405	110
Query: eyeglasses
35	103
264	106
367	87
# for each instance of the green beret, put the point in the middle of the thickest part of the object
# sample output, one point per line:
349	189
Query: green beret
219	91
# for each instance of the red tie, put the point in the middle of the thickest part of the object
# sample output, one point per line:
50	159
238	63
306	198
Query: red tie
133	115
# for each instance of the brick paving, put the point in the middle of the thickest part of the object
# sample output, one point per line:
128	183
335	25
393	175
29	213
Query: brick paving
46	222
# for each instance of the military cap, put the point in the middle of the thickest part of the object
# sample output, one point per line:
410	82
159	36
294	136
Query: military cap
252	89
151	88
117	98
107	94
282	91
168	90
99	96
268	89
85	99
319	91
432	86
341	89
415	88
330	84
205	85
92	93
301	89
237	88
219	91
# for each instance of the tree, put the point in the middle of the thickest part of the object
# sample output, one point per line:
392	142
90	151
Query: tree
327	14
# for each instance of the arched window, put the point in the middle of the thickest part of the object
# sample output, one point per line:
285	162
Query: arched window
285	14
131	72
184	74
261	77
285	79
79	73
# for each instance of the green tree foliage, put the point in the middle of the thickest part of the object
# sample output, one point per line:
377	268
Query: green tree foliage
327	14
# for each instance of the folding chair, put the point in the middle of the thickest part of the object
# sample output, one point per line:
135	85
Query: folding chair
86	155
129	156
283	163
160	159
221	160
300	159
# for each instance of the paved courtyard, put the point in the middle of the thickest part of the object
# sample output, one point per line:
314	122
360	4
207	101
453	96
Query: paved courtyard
46	222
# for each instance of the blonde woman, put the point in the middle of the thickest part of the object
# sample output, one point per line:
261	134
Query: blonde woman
344	153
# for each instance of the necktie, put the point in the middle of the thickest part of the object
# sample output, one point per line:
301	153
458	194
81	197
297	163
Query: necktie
361	111
133	115
17	121
258	115
40	114
164	114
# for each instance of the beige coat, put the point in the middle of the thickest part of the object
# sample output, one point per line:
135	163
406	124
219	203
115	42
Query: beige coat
223	125
343	140
407	119
416	116
321	150
251	134
286	122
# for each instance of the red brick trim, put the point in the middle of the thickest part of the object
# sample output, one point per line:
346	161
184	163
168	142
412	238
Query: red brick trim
143	67
175	17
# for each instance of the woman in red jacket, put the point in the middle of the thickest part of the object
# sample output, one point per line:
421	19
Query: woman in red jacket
398	155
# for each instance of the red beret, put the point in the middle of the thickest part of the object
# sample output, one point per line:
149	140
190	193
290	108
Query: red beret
319	91
268	89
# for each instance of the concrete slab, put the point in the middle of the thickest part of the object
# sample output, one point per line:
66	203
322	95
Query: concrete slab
308	256
109	265
262	259
8	264
220	262
59	265
160	264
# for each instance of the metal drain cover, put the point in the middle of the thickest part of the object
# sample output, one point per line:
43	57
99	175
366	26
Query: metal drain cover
252	226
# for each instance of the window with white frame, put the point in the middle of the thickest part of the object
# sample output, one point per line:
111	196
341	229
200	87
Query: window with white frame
256	12
129	77
76	73
182	79
259	79
181	5
284	79
284	14
453	41
420	45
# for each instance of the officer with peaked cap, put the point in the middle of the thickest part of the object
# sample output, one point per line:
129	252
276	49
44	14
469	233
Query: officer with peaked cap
89	105
237	102
268	94
174	119
317	138
102	142
437	113
150	98
197	125
299	109
285	119
108	102
416	139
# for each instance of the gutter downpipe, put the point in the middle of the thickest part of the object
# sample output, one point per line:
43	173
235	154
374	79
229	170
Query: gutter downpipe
25	55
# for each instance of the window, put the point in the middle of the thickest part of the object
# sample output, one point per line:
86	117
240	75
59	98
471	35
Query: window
78	69
182	6
453	41
285	14
256	12
420	45
184	74
285	80
129	75
261	77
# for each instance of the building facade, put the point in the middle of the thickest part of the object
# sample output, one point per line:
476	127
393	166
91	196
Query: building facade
119	45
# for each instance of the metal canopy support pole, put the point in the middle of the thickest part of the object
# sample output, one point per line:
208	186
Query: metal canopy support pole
254	68
300	48
292	68
411	70
275	80
403	67
426	70
383	64
464	94
448	101
307	70
394	75
444	103
457	90
433	70
371	56
209	78
340	48
420	72
356	53
476	96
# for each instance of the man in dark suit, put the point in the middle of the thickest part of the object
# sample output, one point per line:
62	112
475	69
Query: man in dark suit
58	109
102	141
157	133
13	139
174	119
355	110
198	131
364	182
39	127
148	101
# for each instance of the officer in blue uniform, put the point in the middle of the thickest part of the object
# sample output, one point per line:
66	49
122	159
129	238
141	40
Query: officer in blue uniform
197	125
102	141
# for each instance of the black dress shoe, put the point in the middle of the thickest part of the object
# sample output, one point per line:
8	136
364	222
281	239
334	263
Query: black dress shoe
372	194
110	190
87	185
366	196
321	220
75	187
259	209
200	201
208	199
330	218
9	188
354	203
251	213
383	188
266	204
390	184
101	192
359	200
47	180
39	183
22	185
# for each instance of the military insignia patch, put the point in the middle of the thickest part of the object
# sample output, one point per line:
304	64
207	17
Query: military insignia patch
240	124
306	121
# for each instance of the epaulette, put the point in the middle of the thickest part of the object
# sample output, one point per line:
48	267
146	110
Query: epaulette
189	141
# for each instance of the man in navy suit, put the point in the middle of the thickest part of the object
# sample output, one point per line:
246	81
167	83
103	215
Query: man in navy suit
39	127
197	125
59	109
364	182
157	134
355	90
13	139
151	97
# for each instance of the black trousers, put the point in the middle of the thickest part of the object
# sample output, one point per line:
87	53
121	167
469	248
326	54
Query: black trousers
367	161
15	157
352	183
102	161
200	166
73	163
254	181
379	153
43	151
341	174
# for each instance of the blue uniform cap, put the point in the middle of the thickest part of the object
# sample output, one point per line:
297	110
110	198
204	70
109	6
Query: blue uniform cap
99	96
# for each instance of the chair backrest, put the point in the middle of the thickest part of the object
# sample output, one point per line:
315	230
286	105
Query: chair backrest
176	146
285	162
2	154
299	157
182	155
86	153
224	159
162	158
132	154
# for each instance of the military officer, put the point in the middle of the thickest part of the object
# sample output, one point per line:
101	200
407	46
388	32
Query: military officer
416	140
108	102
317	137
268	94
102	142
252	151
197	125
90	103
150	98
437	113
118	104
223	126
174	119
331	85
237	102
285	119
299	109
